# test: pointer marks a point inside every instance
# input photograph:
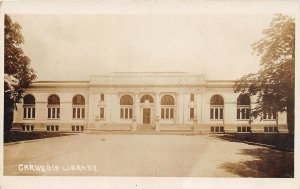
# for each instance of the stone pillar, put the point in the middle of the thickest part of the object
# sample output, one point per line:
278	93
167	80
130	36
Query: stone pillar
134	123
176	110
195	123
199	107
91	110
179	108
157	111
157	124
136	108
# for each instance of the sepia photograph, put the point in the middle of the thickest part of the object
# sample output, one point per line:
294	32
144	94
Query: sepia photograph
149	95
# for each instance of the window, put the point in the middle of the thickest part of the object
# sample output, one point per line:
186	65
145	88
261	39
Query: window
77	128
78	105
167	113
27	128
243	107
102	97
216	113
269	114
29	107
192	113
192	97
167	107
216	107
53	107
271	129
102	113
217	129
52	128
126	113
244	129
167	100
126	107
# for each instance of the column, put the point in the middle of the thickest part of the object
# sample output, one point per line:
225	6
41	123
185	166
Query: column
199	102
157	111
91	116
176	113
135	112
136	106
180	109
114	108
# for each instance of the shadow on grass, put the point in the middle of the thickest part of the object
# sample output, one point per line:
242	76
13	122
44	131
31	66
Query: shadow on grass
266	163
280	140
15	136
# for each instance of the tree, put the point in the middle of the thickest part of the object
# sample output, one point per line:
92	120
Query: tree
274	83
17	71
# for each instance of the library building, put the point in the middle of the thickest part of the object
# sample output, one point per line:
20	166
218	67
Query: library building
154	101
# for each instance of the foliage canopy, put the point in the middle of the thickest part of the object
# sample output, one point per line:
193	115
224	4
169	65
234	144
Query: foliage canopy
274	83
17	71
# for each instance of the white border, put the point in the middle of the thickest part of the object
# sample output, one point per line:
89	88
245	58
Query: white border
153	7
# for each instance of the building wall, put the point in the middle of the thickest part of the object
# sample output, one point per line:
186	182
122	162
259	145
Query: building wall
114	89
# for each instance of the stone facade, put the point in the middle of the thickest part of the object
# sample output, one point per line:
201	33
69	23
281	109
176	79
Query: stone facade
129	101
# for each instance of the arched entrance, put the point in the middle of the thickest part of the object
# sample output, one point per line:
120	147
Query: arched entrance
147	103
146	115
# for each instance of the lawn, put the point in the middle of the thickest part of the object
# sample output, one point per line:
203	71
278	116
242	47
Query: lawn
15	136
280	140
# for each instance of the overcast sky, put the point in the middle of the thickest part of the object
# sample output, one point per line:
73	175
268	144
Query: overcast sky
73	47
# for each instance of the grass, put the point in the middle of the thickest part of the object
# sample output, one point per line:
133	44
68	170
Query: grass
280	140
15	136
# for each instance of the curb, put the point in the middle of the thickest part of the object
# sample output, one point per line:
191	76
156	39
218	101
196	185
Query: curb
36	140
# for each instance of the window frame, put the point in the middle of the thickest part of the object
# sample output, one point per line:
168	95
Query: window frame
244	129
191	113
192	97
271	129
216	112
29	110
102	97
77	128
52	128
102	112
246	115
53	114
26	110
27	128
270	117
217	129
167	112
53	106
126	112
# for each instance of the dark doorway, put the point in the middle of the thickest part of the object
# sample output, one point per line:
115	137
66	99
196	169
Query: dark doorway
146	115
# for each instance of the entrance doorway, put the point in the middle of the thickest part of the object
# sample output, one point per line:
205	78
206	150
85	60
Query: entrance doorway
146	115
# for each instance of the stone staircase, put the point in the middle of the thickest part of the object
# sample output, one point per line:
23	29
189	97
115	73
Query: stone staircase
145	128
148	129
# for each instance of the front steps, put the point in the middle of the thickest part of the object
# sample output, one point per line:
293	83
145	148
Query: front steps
146	129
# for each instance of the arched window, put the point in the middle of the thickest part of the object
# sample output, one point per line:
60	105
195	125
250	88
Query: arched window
53	100
146	97
78	105
243	107
53	107
126	107
216	107
29	107
216	100
167	107
78	100
126	100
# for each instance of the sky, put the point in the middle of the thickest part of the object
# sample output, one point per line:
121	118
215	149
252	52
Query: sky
73	47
